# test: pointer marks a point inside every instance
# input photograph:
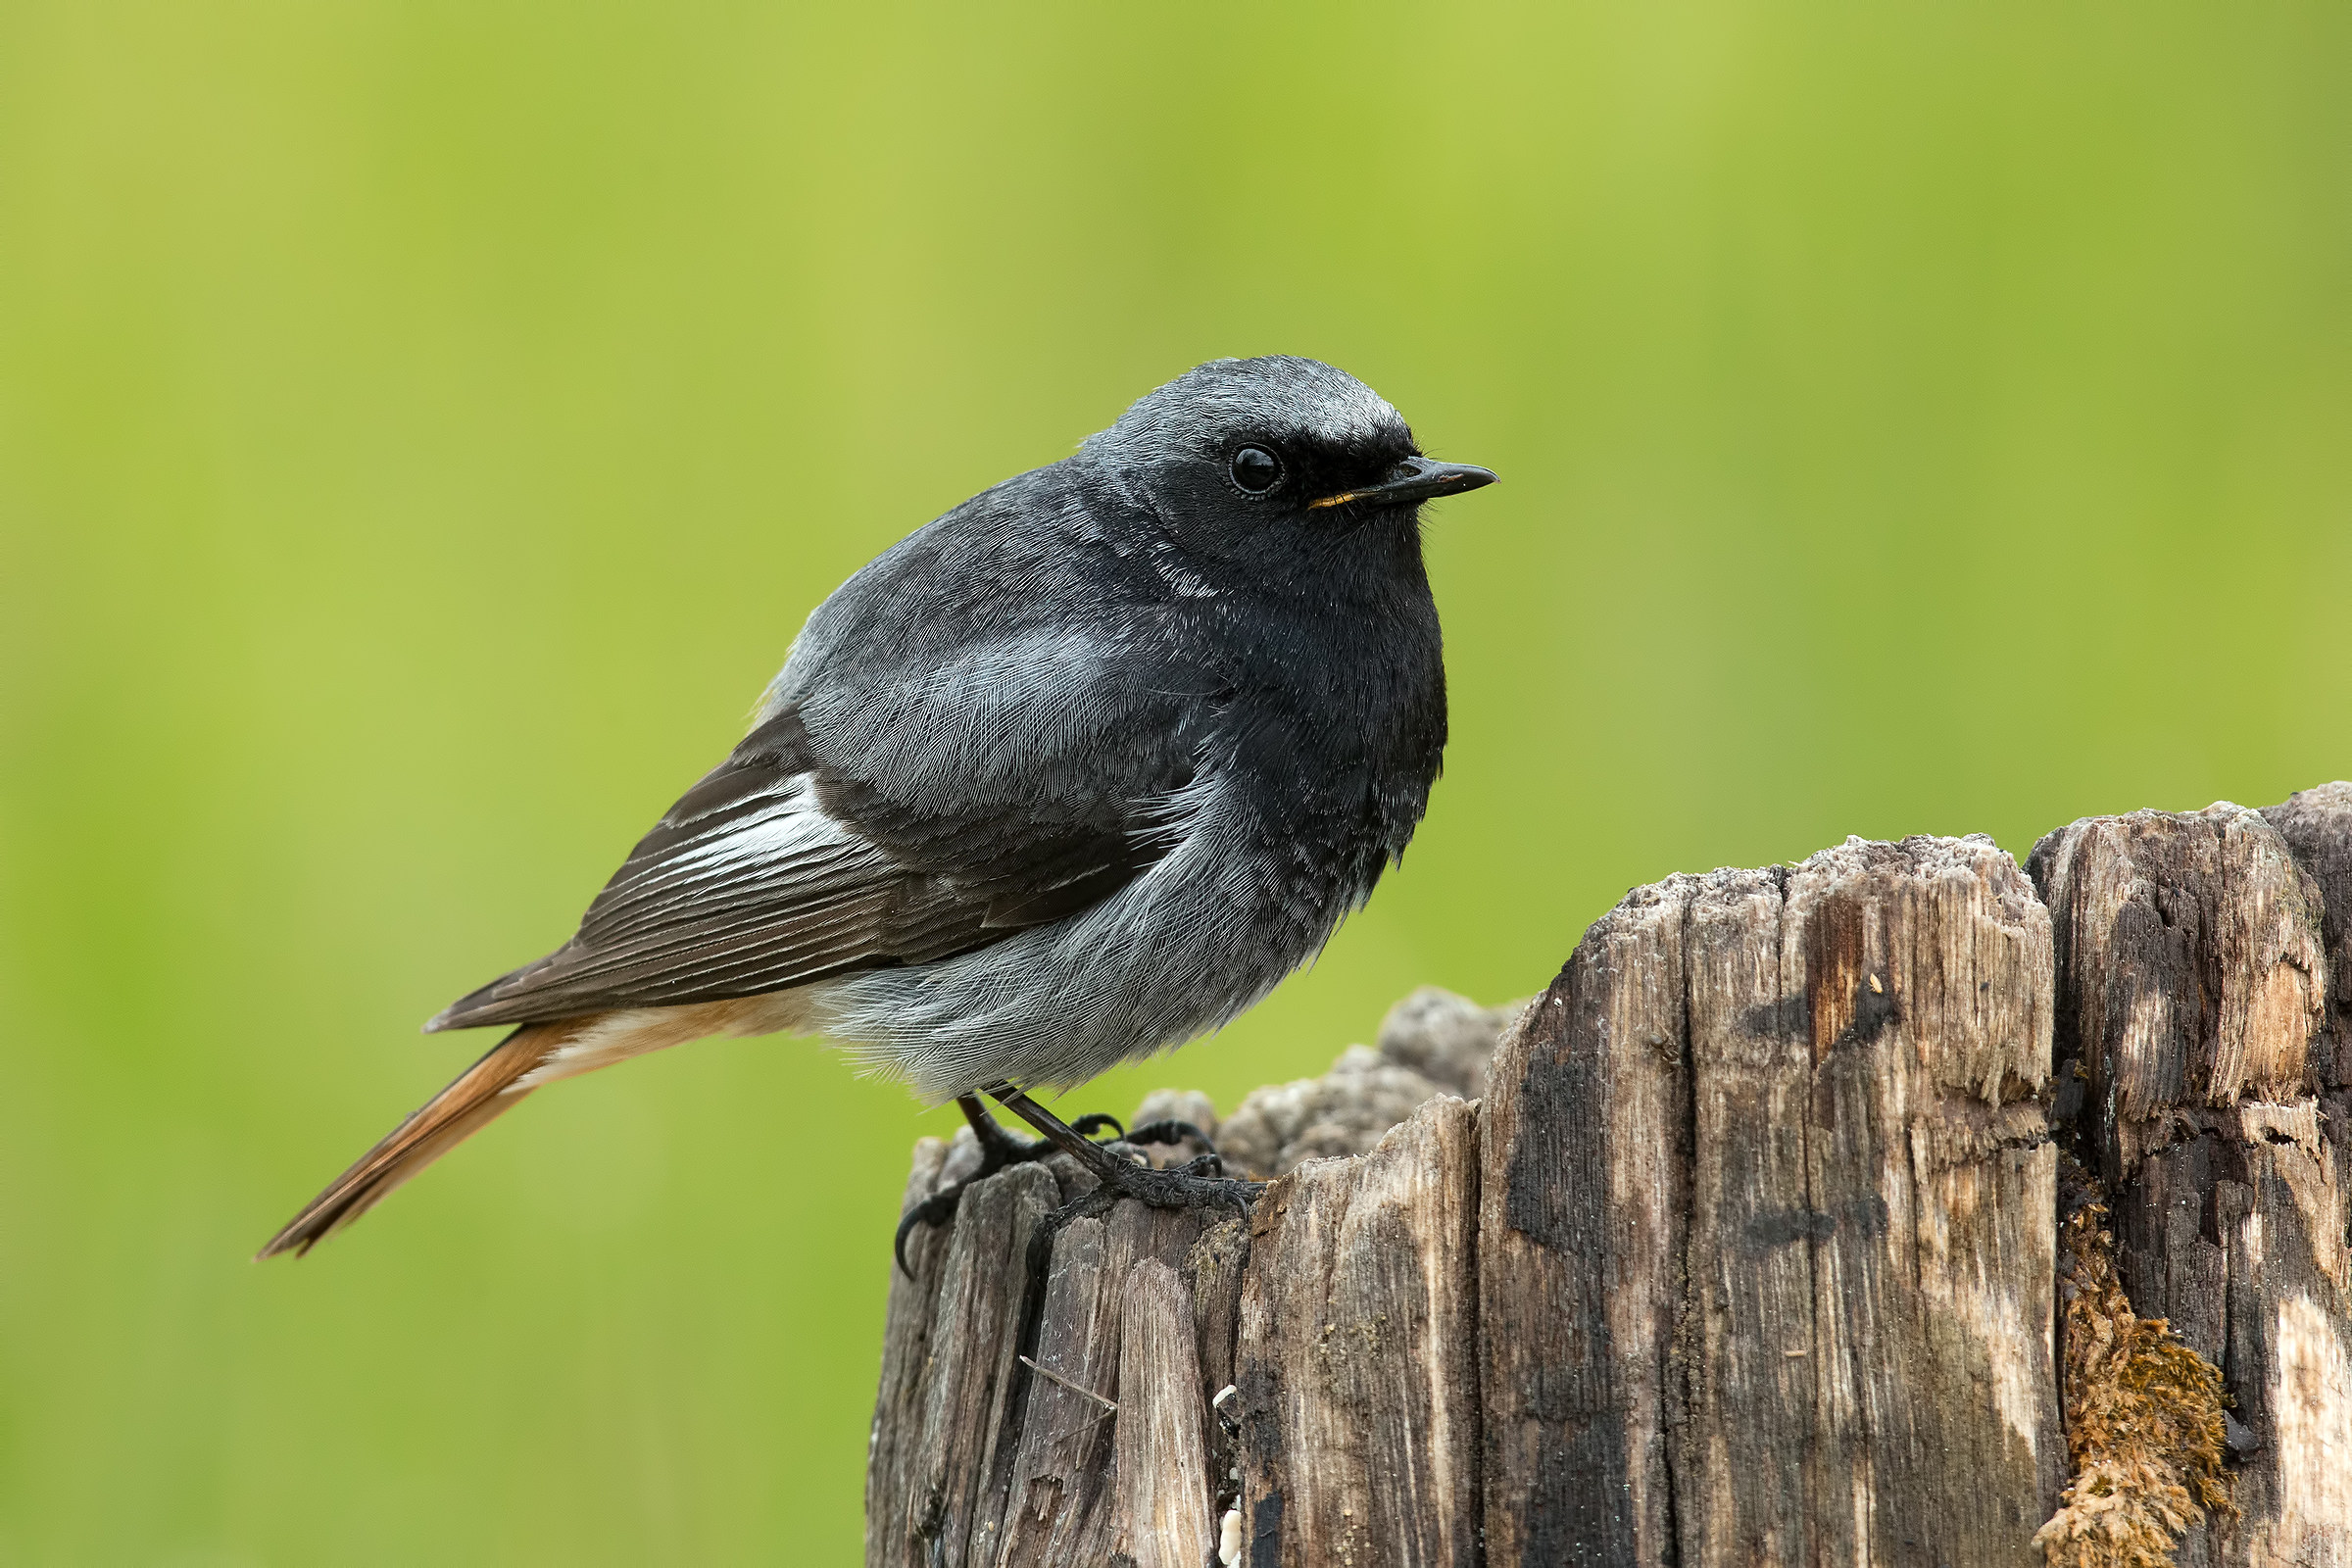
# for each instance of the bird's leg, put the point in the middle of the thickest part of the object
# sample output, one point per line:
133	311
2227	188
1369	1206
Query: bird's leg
998	1150
1196	1184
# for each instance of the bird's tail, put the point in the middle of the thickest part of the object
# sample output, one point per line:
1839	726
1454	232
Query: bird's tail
447	1119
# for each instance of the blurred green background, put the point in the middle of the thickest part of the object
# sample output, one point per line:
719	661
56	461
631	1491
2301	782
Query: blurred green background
423	427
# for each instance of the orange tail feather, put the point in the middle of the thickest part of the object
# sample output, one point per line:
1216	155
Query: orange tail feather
474	1100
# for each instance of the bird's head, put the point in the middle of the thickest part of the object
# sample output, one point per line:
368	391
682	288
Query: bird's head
1246	458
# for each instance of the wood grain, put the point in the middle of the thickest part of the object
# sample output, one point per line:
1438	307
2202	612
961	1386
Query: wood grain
1921	971
2316	826
1768	1227
1062	1489
906	1347
1584	1189
1359	1380
970	1374
1162	1518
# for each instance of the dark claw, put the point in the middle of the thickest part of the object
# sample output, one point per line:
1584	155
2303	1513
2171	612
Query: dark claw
1155	1188
1091	1125
1170	1132
1176	1132
998	1150
1196	1184
937	1209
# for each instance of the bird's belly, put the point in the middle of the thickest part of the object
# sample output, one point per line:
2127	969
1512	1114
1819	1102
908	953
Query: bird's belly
1166	958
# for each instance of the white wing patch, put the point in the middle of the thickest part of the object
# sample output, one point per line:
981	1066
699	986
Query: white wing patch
791	831
790	839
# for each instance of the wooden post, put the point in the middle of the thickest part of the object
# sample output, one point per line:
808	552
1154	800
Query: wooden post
1768	1236
1747	1253
2193	985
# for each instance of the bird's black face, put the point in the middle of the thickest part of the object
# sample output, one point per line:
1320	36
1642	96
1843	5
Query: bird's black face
1363	476
1259	461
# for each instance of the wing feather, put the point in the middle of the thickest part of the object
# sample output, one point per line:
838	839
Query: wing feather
768	875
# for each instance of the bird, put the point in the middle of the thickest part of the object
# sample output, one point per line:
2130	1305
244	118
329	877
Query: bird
1076	772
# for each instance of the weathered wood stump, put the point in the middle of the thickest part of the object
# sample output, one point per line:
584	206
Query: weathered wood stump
1744	1246
2194	1007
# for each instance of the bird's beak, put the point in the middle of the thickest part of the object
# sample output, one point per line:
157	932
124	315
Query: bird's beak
1415	479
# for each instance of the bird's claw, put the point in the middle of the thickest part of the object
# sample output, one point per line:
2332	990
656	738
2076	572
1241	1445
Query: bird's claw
999	1149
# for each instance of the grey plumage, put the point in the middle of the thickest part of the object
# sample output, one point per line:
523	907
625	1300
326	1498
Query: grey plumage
1071	774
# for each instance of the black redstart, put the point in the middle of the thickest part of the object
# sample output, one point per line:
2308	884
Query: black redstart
1074	773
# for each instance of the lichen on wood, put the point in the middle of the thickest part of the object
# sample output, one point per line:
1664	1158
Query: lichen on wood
2144	1426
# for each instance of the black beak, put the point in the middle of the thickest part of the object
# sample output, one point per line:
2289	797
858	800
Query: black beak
1413	480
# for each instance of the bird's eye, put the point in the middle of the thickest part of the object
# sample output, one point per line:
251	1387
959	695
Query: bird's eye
1255	469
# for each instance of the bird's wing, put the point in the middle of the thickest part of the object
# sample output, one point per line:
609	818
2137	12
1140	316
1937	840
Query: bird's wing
898	823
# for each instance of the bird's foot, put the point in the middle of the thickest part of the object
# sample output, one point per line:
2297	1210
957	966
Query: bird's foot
998	1150
1200	1182
1196	1184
